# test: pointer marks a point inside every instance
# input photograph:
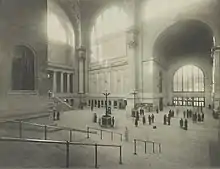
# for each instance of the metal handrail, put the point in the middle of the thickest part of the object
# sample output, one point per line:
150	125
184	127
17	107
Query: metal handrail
103	130
60	100
67	143
48	126
145	145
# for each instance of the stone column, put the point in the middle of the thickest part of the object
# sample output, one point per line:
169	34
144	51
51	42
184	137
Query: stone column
132	42
68	83
61	82
54	82
216	78
81	60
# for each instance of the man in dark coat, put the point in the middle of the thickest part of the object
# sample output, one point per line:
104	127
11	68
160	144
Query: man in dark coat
203	116
181	123
136	122
149	119
152	118
186	124
144	120
165	119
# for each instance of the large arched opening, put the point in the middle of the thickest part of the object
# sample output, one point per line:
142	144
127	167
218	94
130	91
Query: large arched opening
184	49
23	69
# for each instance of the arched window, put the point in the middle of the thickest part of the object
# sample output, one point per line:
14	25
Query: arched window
23	77
111	21
189	78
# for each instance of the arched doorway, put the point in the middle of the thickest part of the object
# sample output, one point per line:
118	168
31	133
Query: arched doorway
23	69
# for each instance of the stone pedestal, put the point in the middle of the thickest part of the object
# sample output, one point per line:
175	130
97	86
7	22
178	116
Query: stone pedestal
106	121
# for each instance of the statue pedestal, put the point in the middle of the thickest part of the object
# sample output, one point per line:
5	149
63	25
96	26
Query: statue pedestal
106	121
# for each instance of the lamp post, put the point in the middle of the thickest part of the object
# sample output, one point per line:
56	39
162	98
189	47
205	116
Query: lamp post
134	93
106	94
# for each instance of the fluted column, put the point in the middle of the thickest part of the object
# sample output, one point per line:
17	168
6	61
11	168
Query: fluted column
216	78
54	81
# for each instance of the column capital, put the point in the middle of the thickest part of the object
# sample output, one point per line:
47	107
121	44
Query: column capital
81	52
132	37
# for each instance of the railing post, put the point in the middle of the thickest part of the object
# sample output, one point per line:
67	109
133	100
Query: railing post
145	147
67	154
87	132
101	134
20	129
96	156
153	147
45	132
135	150
70	135
121	137
120	157
111	135
159	148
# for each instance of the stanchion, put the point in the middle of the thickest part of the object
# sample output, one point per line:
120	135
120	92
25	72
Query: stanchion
135	153
145	147
96	154
87	132
111	135
101	134
120	158
67	154
153	148
45	132
20	129
159	148
70	136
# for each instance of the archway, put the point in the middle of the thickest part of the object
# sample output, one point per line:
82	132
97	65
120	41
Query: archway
23	73
186	46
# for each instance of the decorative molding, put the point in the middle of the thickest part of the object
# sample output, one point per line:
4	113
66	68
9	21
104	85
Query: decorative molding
132	37
81	52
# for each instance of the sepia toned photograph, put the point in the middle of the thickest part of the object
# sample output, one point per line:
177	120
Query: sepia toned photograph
110	84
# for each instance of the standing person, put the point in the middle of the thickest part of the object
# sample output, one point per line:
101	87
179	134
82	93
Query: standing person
58	115
168	120
157	110
152	118
95	118
149	119
144	120
203	116
92	107
199	118
165	119
136	122
113	121
137	115
181	123
54	113
186	124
